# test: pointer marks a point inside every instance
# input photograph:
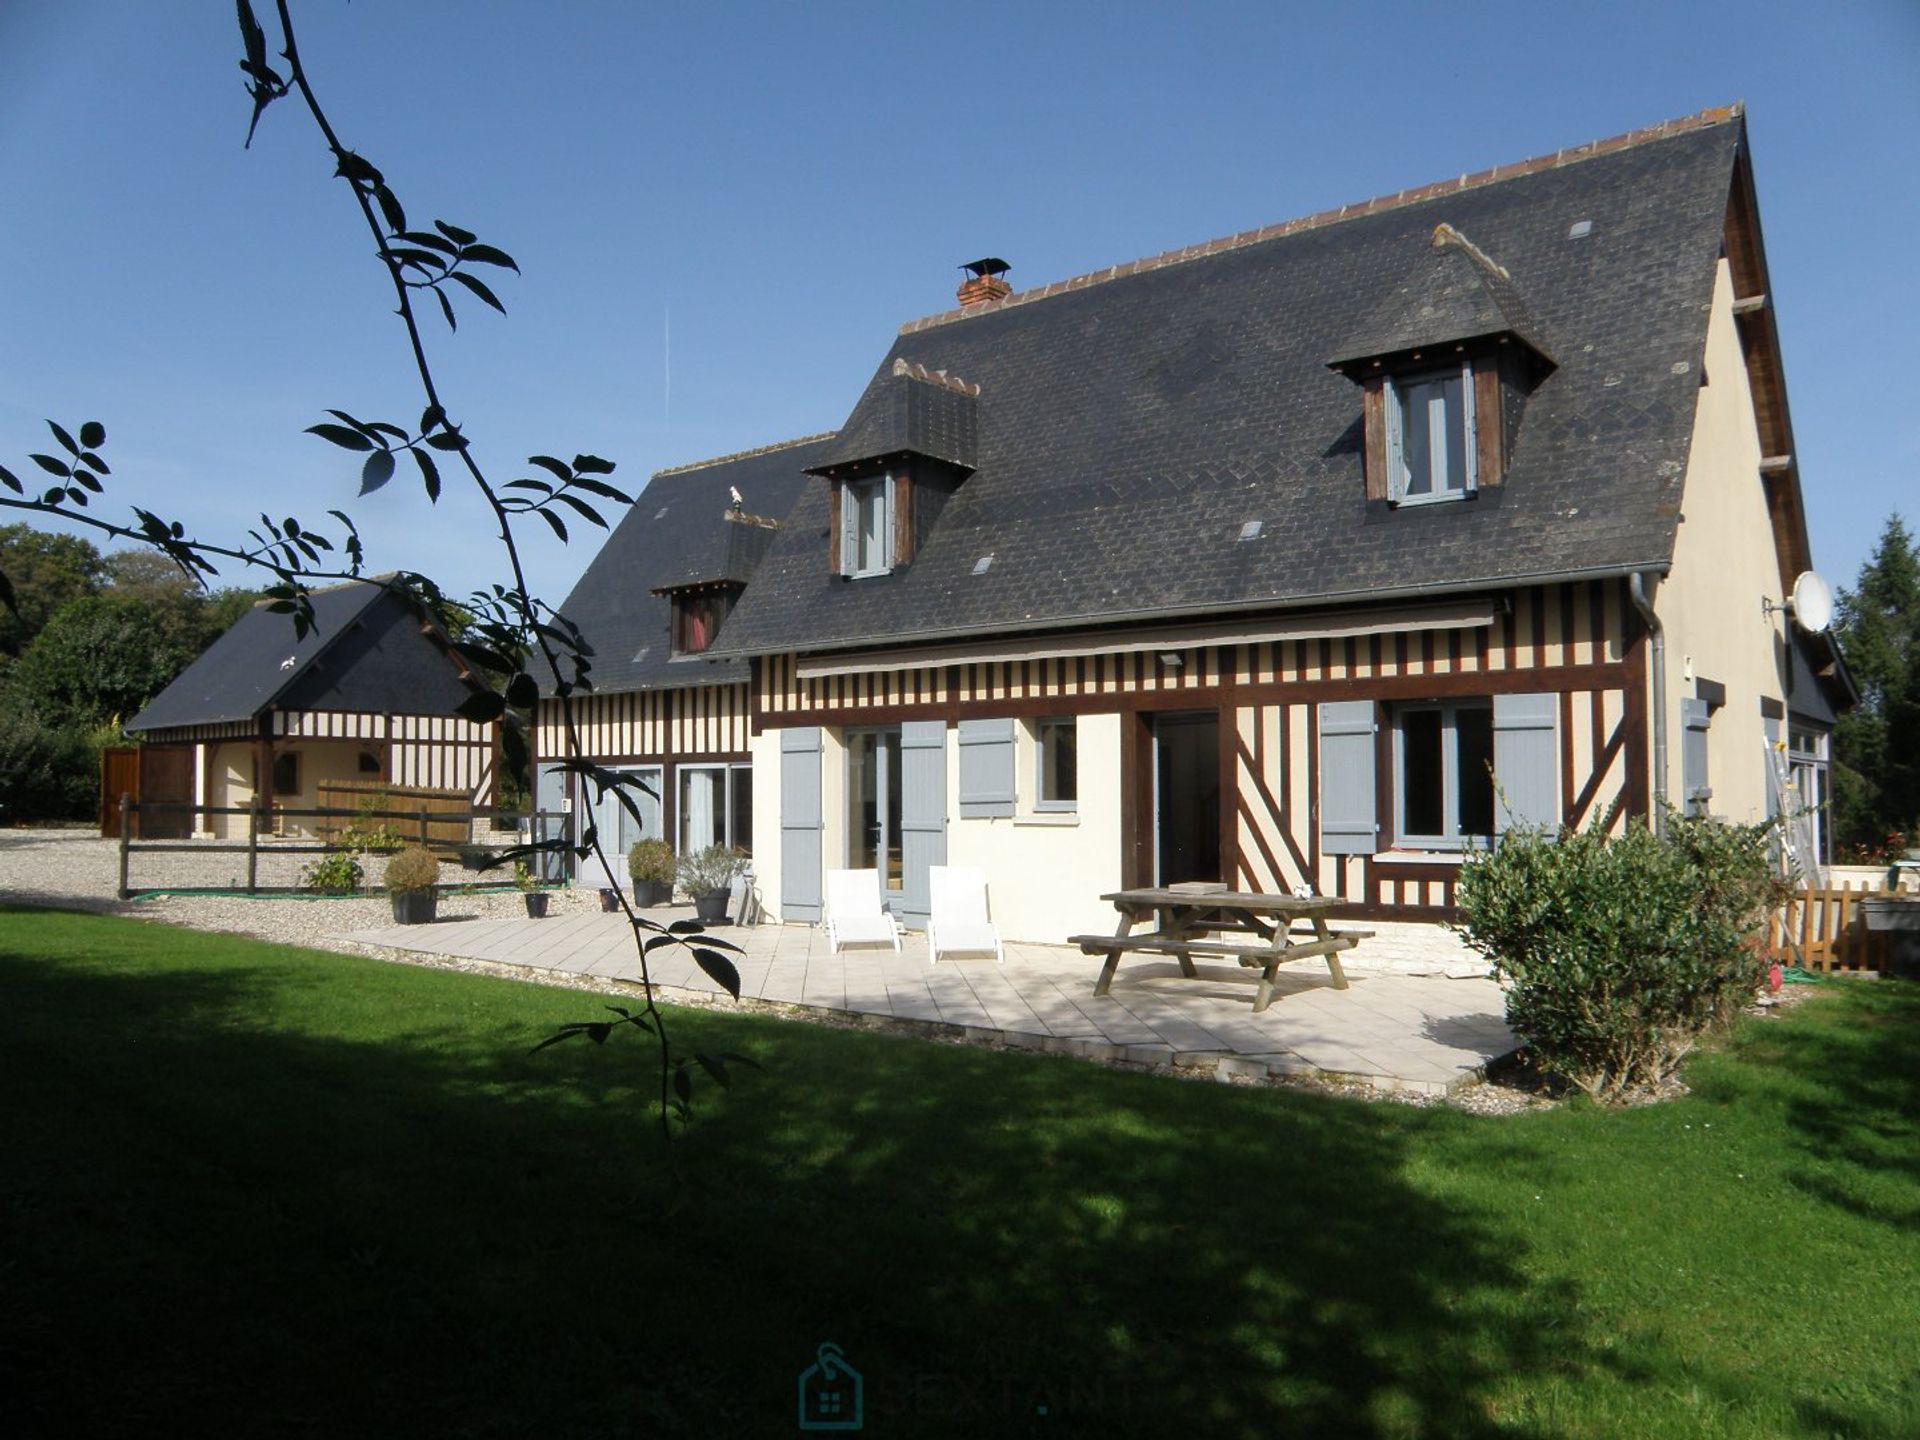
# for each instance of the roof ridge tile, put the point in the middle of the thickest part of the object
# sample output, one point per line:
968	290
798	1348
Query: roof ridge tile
746	454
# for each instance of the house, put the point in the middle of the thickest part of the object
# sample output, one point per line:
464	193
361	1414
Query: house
368	694
1259	561
662	709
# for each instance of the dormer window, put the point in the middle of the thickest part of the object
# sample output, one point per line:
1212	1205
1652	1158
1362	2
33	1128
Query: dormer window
1432	446
697	617
866	527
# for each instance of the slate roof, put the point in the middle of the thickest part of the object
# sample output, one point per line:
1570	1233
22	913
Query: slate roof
676	533
244	671
1449	294
1130	423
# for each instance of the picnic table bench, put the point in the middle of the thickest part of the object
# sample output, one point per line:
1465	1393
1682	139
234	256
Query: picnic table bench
1183	919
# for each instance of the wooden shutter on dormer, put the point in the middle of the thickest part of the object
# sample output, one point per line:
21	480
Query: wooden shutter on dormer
902	476
1376	437
836	498
1490	426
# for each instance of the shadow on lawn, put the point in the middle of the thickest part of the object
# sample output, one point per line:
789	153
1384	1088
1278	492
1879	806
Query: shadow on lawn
219	1223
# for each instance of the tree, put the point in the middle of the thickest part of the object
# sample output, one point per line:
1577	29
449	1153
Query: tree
1877	744
101	658
45	571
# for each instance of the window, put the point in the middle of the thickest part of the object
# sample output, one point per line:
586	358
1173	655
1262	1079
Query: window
873	804
716	807
369	763
286	773
1055	765
1443	757
1431	445
866	527
697	618
1808	769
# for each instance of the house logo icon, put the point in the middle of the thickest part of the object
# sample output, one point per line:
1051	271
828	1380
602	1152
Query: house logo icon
831	1395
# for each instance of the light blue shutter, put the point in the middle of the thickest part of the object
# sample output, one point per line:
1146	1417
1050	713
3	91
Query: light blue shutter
886	524
923	813
800	823
1396	458
986	768
1695	791
1472	427
849	528
1349	822
1526	762
548	823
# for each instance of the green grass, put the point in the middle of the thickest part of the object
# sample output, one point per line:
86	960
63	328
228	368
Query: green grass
250	1190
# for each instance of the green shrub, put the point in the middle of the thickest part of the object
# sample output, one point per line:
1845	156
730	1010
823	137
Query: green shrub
651	861
336	874
713	868
1619	954
414	868
48	772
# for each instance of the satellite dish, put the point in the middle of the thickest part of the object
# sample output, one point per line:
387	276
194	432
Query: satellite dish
1811	602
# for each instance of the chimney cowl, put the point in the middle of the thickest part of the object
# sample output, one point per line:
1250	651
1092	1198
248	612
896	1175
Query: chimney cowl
986	281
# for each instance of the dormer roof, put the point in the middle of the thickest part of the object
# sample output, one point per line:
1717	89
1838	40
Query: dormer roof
908	409
1452	293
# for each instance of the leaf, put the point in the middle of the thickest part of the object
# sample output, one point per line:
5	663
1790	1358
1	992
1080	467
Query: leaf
446	307
455	233
87	480
719	969
6	594
66	440
431	241
488	255
431	419
51	465
540	486
522	690
447	440
425	260
93	435
390	207
554	520
94	462
557	468
340	435
482	707
716	1067
429	473
597	487
11	481
586	511
479	288
376	472
682	1082
592	465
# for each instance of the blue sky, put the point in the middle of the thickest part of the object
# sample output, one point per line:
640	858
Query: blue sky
777	187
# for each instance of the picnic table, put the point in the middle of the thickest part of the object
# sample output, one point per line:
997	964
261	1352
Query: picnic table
1183	919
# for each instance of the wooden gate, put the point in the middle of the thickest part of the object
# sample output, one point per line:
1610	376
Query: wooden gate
152	775
1826	931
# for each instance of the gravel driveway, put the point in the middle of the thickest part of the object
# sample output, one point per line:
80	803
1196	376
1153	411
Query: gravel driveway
78	870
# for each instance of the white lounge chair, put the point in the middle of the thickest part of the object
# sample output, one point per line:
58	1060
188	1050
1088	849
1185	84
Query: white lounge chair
854	916
959	922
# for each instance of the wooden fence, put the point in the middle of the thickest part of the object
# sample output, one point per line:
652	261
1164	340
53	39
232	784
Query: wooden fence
1826	931
137	817
439	819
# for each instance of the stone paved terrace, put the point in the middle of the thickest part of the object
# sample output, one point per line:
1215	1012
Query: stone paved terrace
1402	1024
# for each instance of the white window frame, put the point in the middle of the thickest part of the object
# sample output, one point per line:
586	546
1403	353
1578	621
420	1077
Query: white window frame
854	495
1042	804
886	780
1451	838
1398	474
731	776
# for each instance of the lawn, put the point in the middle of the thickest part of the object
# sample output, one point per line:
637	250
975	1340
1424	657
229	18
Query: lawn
251	1190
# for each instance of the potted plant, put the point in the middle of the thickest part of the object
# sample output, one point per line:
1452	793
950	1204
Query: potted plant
707	875
652	867
530	892
411	876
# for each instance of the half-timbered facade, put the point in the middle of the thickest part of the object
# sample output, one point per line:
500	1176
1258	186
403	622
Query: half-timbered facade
659	709
368	695
1311	557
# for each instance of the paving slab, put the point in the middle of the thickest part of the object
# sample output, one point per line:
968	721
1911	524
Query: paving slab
1401	1024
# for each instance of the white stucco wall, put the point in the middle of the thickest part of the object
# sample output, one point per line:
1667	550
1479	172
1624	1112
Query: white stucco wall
1045	872
1724	567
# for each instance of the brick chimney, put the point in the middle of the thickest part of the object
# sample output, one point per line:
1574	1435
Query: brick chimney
986	280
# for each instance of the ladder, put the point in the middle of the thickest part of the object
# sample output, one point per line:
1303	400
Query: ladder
1799	842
